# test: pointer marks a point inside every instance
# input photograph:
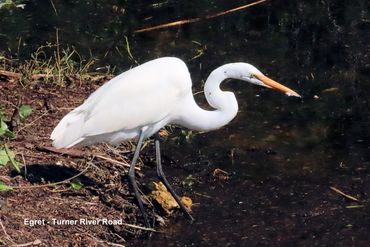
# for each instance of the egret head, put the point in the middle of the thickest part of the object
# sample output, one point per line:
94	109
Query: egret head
249	73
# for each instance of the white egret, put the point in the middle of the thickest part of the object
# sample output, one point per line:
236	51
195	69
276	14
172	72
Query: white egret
142	100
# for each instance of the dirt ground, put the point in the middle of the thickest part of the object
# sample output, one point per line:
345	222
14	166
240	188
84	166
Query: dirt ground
106	195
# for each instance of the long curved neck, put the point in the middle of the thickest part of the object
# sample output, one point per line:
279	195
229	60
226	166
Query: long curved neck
224	103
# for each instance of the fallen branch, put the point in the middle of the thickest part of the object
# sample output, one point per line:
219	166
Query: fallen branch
182	22
344	194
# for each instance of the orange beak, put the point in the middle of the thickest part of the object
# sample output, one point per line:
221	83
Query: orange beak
275	85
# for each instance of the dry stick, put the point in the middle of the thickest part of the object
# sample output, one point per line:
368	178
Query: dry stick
33	243
25	165
53	5
115	244
182	22
5	233
10	74
139	227
114	161
2	226
38	76
103	241
34	121
344	194
106	242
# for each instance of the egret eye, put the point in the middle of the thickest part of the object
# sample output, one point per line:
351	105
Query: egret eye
252	76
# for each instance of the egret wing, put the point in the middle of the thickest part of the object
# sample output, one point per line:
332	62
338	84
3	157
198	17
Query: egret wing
139	97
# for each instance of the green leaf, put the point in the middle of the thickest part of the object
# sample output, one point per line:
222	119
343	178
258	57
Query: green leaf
11	156
189	181
9	134
3	157
76	184
10	4
3	127
4	130
25	111
6	155
6	4
4	187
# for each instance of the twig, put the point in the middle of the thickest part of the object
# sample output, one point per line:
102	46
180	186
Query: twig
2	226
31	123
24	164
10	74
56	183
139	227
203	195
5	179
35	242
53	5
111	244
39	76
344	194
182	22
115	161
5	233
103	241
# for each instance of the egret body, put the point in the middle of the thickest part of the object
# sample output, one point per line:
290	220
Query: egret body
142	100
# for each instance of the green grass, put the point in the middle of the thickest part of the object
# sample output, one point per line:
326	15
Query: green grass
50	63
57	68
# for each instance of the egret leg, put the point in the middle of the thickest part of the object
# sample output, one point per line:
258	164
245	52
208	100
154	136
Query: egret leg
164	180
131	175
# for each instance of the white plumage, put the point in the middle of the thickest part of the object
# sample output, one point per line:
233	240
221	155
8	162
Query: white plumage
148	97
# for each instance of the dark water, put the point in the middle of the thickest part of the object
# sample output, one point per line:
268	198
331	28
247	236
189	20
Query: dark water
281	153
